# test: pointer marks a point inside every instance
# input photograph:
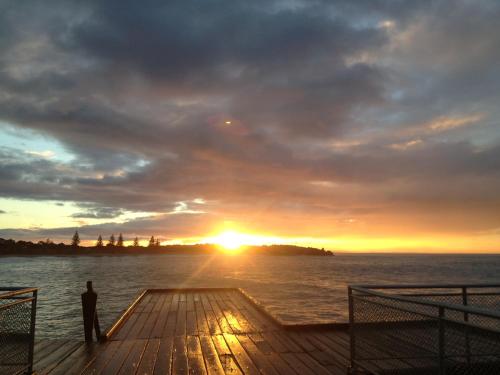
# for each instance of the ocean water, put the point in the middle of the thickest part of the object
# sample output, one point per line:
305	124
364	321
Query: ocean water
296	289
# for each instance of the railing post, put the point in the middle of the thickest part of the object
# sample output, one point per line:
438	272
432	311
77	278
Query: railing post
466	319
351	331
441	342
32	332
90	320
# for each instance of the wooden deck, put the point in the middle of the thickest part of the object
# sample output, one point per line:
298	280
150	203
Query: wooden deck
199	331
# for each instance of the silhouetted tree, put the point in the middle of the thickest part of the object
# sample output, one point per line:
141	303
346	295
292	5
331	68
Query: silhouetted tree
75	241
120	241
99	241
151	241
111	240
136	241
157	243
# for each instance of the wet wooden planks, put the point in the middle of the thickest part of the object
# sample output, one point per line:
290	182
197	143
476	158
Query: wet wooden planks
200	332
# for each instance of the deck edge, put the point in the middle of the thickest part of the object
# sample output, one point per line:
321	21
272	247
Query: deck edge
122	318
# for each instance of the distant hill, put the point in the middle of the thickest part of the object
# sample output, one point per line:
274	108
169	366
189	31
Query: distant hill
11	247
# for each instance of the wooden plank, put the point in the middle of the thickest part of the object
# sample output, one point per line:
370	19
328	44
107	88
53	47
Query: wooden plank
193	345
259	358
175	302
296	363
154	316
302	341
133	333
102	358
275	343
281	365
201	319
250	309
261	343
244	361
149	303
49	347
196	363
180	359
212	322
160	301
180	328
229	319
41	346
119	357
159	326
141	306
124	330
191	325
131	363
52	359
190	302
163	365
315	366
148	360
327	356
77	360
258	324
221	345
219	315
212	361
338	346
169	329
246	325
287	341
226	357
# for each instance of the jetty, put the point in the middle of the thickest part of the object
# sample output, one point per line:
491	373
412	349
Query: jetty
392	329
200	331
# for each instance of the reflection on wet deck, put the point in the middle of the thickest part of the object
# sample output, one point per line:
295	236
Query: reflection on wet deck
199	331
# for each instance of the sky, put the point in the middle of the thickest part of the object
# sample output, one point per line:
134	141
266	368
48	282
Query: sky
368	125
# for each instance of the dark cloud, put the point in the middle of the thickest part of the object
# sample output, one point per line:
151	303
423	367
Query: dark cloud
98	213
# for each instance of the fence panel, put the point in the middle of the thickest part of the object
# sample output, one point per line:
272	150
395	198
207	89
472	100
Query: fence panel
428	330
17	330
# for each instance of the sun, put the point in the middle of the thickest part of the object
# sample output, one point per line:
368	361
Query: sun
230	240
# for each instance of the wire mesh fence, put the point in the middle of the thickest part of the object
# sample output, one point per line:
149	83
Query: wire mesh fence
17	330
425	330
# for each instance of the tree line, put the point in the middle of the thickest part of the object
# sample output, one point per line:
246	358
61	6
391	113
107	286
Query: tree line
112	241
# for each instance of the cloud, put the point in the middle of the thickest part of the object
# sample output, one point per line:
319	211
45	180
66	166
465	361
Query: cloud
98	213
371	111
47	154
446	123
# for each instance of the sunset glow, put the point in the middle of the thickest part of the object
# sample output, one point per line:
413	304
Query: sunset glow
230	240
233	240
350	128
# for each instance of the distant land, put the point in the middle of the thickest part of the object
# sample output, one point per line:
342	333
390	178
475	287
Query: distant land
11	247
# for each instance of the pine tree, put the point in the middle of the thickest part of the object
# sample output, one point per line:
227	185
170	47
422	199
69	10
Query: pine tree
119	243
75	241
157	243
136	242
151	241
99	241
111	240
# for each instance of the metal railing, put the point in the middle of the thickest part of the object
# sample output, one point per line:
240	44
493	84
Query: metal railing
17	330
425	329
